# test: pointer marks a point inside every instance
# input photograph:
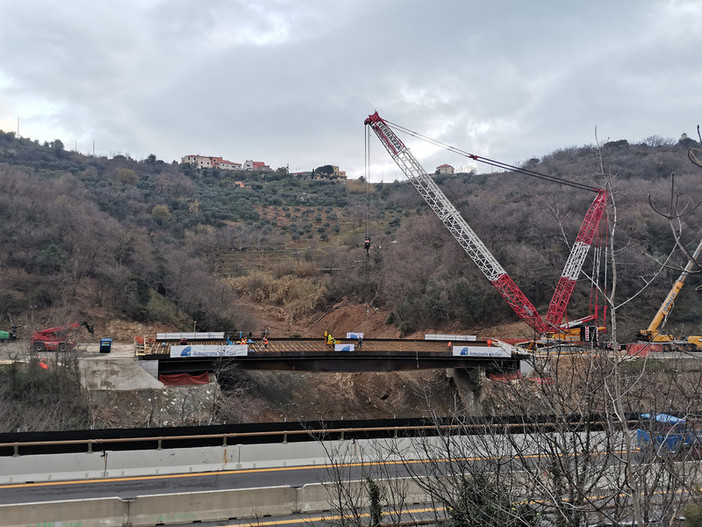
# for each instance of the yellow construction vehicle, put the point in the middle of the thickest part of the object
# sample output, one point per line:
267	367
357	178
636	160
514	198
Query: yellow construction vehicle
653	338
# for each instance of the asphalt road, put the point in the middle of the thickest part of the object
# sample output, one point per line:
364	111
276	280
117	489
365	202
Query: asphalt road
130	487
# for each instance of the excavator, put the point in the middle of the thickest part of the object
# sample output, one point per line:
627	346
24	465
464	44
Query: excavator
653	339
58	338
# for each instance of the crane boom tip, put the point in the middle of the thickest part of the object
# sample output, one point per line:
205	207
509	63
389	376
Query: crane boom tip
372	118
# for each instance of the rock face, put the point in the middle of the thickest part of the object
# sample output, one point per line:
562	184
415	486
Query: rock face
253	396
145	408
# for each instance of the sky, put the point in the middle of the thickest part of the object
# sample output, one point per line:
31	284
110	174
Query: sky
290	82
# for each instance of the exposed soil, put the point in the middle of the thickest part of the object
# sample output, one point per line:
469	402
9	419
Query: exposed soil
276	396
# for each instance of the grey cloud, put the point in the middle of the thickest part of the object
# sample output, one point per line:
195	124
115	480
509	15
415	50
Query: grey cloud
291	81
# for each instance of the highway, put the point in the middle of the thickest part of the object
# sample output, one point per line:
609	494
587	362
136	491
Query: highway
129	487
254	486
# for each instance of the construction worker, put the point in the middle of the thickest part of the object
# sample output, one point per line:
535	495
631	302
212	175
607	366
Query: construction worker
330	340
265	343
360	342
449	345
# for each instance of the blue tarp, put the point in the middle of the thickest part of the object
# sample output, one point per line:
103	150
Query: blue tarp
663	418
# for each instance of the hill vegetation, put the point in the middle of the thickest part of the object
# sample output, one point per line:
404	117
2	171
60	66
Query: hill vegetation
165	244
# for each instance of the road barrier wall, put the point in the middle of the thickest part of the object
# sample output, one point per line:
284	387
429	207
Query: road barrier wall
131	463
209	506
100	512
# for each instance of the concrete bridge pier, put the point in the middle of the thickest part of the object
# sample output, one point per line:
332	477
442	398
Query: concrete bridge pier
468	383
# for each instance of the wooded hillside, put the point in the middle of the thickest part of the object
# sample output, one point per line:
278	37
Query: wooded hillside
146	241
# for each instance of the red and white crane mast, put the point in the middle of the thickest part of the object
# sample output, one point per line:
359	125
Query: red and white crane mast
574	264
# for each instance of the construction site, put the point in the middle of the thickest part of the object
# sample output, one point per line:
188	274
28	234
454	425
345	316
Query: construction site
291	368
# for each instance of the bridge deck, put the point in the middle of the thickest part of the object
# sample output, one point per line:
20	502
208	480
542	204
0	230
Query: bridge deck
284	345
311	345
315	355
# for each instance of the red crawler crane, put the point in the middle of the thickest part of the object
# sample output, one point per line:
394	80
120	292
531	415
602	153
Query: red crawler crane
476	249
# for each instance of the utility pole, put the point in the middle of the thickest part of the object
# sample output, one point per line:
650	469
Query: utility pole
31	311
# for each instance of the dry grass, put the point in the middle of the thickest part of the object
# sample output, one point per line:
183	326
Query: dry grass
355	186
298	296
300	269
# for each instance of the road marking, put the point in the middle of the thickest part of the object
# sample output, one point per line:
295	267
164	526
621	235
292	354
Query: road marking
199	474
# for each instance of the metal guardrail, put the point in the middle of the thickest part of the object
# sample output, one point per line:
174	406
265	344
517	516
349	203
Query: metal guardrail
225	438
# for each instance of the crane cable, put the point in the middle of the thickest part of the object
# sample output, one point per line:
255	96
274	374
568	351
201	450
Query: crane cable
494	163
366	240
367	182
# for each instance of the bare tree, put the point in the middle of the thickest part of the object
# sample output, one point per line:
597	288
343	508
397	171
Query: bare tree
567	453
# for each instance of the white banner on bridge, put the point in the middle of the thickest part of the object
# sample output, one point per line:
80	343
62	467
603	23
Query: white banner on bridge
191	336
344	347
203	350
480	351
436	336
354	335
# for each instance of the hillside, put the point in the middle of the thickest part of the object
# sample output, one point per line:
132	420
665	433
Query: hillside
138	245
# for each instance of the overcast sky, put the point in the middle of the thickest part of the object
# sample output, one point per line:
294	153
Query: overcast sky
290	82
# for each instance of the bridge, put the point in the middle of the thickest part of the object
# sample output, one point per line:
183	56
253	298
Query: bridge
374	355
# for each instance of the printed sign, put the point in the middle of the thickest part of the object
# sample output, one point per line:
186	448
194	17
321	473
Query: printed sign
480	351
344	347
354	335
203	350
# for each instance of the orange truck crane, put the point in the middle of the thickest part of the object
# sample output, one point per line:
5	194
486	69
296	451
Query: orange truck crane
58	338
550	326
652	338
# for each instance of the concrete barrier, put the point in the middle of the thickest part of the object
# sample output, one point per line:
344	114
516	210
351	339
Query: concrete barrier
101	512
127	463
145	511
212	506
208	506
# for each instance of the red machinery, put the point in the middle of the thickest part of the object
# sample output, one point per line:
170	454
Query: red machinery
58	338
477	250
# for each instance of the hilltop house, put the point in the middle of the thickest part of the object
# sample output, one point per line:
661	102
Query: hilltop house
256	165
444	169
199	161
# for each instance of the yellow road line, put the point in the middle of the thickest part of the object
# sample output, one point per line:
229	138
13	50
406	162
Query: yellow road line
200	474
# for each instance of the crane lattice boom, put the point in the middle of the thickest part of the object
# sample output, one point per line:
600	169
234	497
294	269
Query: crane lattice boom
456	225
576	259
477	250
667	305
